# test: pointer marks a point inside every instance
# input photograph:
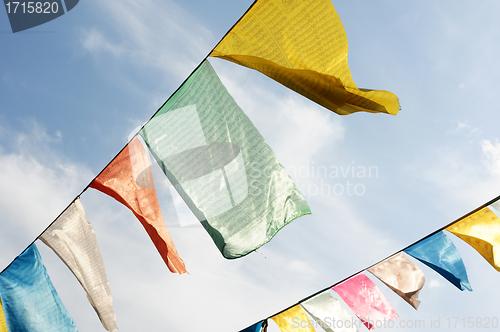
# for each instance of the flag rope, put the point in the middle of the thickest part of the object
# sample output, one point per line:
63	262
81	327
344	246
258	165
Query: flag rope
380	261
166	101
301	301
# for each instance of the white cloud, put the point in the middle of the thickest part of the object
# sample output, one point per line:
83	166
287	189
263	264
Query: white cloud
36	185
491	153
464	127
151	34
434	283
95	42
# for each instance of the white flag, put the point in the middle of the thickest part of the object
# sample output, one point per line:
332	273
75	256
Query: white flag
73	239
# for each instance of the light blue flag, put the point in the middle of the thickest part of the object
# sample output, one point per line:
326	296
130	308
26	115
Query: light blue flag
254	328
29	299
441	255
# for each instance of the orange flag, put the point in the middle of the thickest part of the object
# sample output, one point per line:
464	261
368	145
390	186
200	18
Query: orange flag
129	180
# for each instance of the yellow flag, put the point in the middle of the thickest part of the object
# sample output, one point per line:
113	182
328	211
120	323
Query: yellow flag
294	320
3	323
302	45
482	231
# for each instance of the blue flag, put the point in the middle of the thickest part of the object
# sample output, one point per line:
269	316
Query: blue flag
254	328
30	302
441	255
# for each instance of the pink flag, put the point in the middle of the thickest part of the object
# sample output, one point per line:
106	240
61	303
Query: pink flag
366	300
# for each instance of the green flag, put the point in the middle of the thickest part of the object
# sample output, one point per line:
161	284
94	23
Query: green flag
221	166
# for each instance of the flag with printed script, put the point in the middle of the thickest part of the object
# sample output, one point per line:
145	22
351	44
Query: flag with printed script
302	45
329	314
73	239
129	180
441	255
365	300
254	328
402	276
221	166
293	320
481	230
30	302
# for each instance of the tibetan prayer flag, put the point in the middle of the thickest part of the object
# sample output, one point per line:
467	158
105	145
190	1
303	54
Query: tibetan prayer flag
329	314
402	276
221	165
254	328
73	239
3	323
482	231
294	320
30	302
302	45
441	255
129	180
366	300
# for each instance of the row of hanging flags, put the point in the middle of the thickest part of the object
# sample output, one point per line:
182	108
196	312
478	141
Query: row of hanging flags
205	144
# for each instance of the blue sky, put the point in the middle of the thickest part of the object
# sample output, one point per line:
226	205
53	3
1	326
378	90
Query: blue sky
73	90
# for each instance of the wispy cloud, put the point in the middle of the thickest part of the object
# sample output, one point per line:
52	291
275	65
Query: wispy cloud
37	184
491	156
151	34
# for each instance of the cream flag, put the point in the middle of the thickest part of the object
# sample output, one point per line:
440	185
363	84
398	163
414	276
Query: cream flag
329	314
73	239
402	276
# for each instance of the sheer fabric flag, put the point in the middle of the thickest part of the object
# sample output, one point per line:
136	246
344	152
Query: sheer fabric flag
302	45
402	276
3	323
481	230
221	166
129	180
365	300
73	239
29	299
254	328
329	314
441	255
293	320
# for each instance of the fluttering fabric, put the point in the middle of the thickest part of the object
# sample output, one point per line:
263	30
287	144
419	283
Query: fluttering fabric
254	328
302	45
3	323
294	320
129	180
481	230
365	300
221	165
441	255
402	276
73	239
329	314
30	302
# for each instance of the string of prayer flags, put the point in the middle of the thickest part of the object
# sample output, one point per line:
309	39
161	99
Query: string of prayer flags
402	276
302	44
293	320
129	180
221	166
365	300
329	313
257	327
30	302
441	255
73	239
481	230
